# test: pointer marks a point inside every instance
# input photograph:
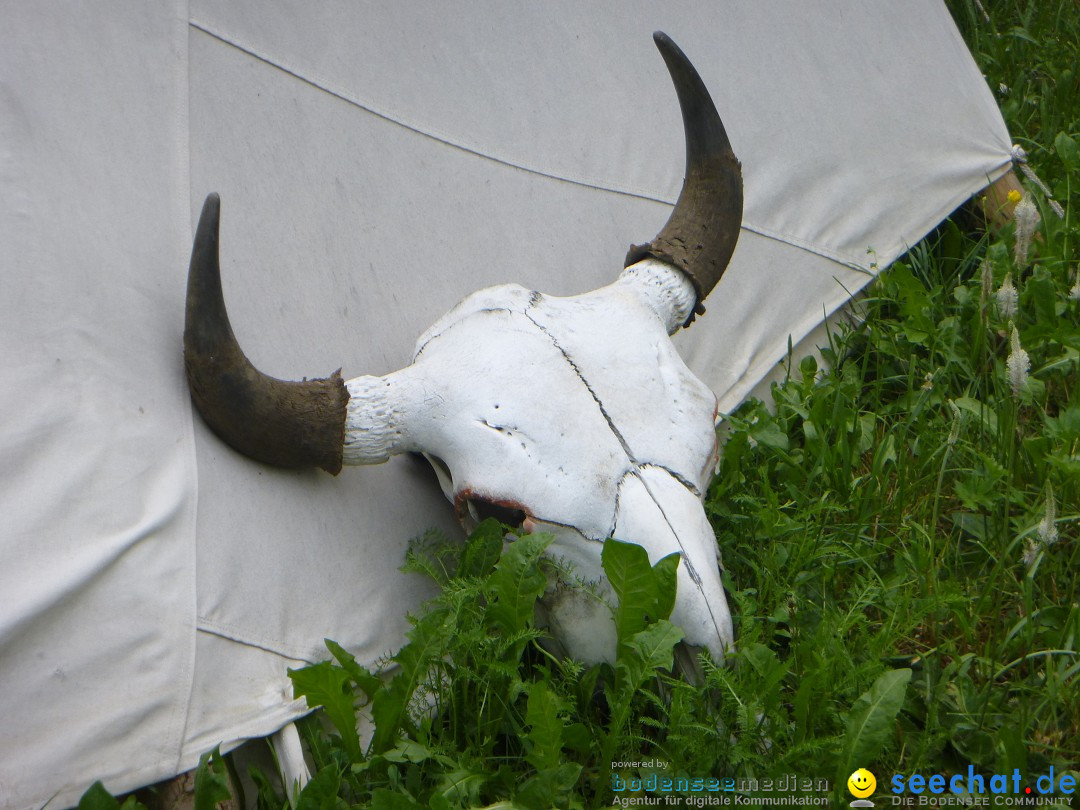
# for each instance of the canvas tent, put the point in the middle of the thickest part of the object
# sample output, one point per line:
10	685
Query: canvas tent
376	162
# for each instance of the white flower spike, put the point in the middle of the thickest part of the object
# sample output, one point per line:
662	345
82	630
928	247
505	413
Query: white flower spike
1007	298
1026	217
1018	363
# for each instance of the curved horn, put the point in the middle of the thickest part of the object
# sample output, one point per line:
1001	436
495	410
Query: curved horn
288	424
701	233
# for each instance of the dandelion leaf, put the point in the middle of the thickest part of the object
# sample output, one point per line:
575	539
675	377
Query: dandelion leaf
1068	150
462	786
482	549
870	720
383	799
97	797
545	734
327	685
211	781
517	582
427	641
363	678
630	574
321	793
644	591
548	788
665	575
645	653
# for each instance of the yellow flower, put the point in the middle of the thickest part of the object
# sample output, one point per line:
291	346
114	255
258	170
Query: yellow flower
1014	196
1026	218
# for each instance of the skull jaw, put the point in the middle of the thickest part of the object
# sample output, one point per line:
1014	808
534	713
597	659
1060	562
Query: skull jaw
660	513
578	608
579	621
653	508
580	615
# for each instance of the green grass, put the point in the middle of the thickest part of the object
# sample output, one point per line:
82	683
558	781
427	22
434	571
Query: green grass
899	531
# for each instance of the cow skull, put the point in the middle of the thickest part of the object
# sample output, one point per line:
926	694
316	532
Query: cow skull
574	415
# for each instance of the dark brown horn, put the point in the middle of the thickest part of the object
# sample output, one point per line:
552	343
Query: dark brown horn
288	424
701	233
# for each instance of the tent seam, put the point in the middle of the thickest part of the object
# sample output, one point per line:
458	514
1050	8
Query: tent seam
232	633
342	95
398	120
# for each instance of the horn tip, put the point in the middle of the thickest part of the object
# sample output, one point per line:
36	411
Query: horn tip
666	45
212	203
209	218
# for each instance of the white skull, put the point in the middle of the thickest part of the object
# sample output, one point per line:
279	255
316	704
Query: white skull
574	416
575	413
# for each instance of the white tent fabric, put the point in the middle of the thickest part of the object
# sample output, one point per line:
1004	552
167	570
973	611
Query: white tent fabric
376	163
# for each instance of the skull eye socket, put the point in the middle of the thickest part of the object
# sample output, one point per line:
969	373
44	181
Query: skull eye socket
509	514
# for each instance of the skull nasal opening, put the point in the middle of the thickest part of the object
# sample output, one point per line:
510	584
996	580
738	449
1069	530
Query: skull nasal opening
472	509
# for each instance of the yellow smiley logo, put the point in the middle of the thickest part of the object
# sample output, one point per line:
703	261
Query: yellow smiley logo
861	783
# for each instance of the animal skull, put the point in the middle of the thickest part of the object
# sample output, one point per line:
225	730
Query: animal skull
569	415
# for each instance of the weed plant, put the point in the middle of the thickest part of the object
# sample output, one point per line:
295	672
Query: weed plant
898	526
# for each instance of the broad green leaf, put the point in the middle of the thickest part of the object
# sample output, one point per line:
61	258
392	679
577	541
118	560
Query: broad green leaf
545	727
482	549
517	582
1068	151
463	785
768	434
636	661
427	641
361	676
666	577
327	685
972	523
211	781
915	303
866	424
655	645
411	751
549	787
586	687
97	797
884	455
577	737
645	592
383	799
643	654
631	576
1065	427
870	720
321	793
986	416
